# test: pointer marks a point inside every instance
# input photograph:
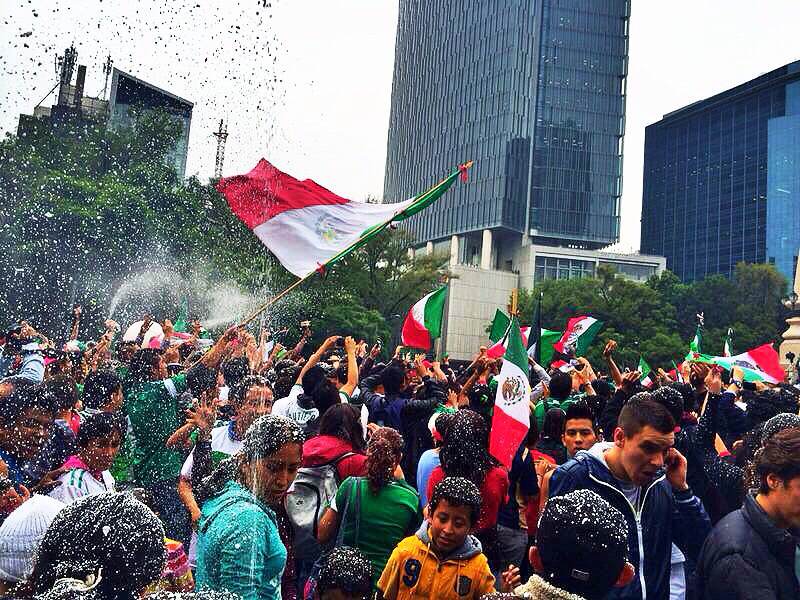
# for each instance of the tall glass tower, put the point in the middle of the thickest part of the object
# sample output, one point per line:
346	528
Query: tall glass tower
534	92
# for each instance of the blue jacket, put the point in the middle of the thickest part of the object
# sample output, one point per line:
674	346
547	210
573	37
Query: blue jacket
239	548
666	516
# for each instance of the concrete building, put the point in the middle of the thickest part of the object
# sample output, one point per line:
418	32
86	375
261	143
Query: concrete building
74	107
478	288
722	179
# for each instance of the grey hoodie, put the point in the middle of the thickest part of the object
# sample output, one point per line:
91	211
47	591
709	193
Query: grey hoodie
471	546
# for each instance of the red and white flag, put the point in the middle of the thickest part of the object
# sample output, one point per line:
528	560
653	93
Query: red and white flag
305	225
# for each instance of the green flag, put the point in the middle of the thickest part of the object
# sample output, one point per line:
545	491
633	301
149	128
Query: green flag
182	318
500	325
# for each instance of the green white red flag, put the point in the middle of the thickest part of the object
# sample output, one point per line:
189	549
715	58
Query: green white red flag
423	324
502	324
646	371
759	364
308	227
577	336
511	417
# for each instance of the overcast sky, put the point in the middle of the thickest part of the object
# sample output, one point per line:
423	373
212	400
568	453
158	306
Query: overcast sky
307	83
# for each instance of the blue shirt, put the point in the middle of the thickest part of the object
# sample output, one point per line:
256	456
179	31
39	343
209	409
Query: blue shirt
427	463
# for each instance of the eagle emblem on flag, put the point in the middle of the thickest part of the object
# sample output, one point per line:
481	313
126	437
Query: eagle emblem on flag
513	390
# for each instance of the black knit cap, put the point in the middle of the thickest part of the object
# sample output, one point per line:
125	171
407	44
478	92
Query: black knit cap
109	542
583	543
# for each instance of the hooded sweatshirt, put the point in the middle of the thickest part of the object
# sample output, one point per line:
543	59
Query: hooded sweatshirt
325	449
656	515
415	571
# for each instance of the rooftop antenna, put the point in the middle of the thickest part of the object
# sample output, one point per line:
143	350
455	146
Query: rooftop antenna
65	65
221	135
107	71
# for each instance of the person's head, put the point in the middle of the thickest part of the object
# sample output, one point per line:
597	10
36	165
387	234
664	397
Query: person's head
26	419
645	432
553	426
778	423
324	396
312	378
582	545
384	451
102	390
146	364
392	379
560	385
110	541
465	448
343	421
126	351
687	394
270	456
99	439
670	399
777	466
580	432
62	390
251	398
770	402
437	425
234	370
345	574
453	510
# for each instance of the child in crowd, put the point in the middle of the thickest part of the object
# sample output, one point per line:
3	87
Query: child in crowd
99	439
442	560
346	574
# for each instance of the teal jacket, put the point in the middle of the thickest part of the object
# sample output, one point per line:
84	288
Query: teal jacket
238	546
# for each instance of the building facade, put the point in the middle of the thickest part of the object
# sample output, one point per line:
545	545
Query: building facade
722	179
534	92
536	99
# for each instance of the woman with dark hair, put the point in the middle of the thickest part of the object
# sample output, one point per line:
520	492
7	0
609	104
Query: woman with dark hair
380	509
550	442
465	453
239	543
340	441
102	546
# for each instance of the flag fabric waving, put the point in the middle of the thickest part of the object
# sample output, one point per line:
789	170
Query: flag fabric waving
499	326
727	349
645	370
498	349
423	323
577	336
759	364
546	340
307	226
697	340
511	417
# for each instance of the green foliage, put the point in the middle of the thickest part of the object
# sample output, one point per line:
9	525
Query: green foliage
656	319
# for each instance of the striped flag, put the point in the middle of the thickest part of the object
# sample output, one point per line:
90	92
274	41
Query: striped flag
423	323
759	364
727	349
645	370
308	227
577	336
511	417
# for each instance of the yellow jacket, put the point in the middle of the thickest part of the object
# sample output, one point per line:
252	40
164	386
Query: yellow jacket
414	571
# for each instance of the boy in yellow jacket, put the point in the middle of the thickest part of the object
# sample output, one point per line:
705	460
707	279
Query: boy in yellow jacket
442	561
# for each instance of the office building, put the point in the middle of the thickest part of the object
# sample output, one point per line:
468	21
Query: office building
534	92
722	179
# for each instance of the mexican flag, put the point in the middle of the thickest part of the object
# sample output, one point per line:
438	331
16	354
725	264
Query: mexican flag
308	227
727	349
694	345
546	340
645	370
511	418
578	336
501	324
423	323
759	364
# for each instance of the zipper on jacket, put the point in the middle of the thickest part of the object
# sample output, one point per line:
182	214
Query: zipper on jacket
637	516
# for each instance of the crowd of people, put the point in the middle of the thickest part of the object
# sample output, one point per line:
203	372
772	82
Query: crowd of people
166	466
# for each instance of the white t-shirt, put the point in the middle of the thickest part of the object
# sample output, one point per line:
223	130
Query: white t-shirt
222	446
288	407
77	483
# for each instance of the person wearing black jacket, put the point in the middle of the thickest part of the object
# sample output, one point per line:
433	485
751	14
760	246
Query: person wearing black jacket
751	553
414	416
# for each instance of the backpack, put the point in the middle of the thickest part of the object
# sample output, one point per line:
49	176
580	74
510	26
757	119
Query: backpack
312	490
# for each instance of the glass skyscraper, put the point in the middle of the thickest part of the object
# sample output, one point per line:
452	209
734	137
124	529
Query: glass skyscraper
722	179
534	92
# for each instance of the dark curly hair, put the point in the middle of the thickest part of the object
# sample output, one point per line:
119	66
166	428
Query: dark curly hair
465	448
383	453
